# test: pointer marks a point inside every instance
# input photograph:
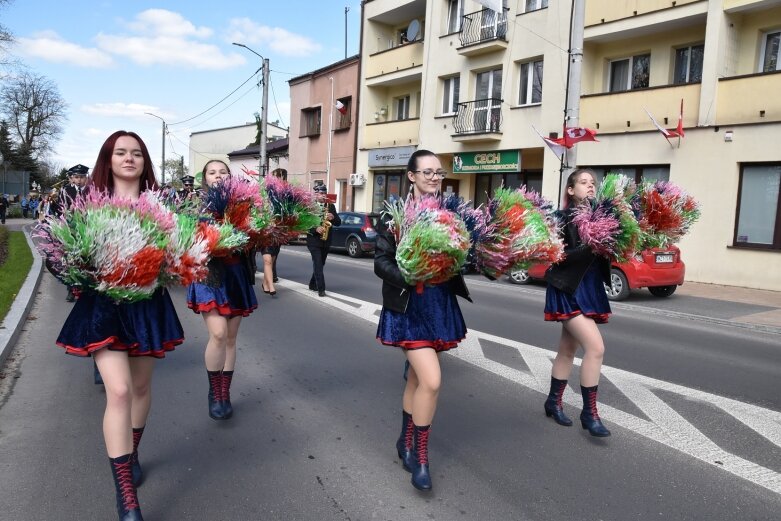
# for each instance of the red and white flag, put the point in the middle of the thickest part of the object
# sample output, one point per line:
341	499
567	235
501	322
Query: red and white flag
574	135
556	145
341	107
668	133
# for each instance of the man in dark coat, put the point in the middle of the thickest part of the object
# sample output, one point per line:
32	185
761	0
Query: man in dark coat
318	248
77	177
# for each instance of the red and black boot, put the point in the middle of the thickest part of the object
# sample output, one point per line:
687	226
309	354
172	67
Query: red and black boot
589	418
404	443
227	408
553	405
128	508
216	411
421	478
138	474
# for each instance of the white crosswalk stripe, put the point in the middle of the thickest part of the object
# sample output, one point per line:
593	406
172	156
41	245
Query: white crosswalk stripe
664	425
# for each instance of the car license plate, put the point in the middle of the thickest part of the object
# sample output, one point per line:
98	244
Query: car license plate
665	258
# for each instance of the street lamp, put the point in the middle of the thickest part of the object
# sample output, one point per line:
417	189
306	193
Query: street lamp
263	111
162	165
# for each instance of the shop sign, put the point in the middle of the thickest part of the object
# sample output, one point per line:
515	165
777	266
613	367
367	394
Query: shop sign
495	161
394	156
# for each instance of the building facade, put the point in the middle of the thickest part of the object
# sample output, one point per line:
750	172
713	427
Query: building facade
322	129
475	86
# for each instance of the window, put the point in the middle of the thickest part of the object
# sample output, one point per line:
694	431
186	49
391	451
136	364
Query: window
402	108
531	83
688	64
535	5
344	116
769	61
486	184
630	73
450	95
759	207
455	13
638	174
310	122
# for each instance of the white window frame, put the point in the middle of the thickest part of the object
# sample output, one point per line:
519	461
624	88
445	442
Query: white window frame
538	4
402	103
688	63
448	95
459	5
630	69
765	38
529	83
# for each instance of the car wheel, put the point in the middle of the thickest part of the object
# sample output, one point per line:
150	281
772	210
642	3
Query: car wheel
519	276
354	247
662	291
619	286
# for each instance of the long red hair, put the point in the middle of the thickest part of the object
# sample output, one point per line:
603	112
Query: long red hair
103	177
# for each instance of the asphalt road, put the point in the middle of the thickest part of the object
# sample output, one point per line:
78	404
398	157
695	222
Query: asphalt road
693	406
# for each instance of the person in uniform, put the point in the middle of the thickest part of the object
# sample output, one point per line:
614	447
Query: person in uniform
318	248
77	177
187	191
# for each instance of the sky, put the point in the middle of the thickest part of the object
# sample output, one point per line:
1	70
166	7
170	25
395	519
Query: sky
113	61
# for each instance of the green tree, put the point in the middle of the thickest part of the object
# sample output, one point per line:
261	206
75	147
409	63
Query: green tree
174	169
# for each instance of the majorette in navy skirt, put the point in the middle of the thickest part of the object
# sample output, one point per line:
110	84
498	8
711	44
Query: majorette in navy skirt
145	328
589	299
433	319
233	297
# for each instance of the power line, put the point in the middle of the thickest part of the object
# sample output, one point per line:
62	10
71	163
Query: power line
273	94
223	99
252	88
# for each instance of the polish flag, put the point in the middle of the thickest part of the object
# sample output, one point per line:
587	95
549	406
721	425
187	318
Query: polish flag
668	133
341	107
556	145
574	135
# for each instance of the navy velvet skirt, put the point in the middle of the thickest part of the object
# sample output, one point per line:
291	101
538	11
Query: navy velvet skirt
433	319
589	299
234	297
145	328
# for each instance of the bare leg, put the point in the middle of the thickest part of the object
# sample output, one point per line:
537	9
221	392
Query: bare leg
585	331
114	367
562	364
425	364
409	389
141	374
268	272
218	338
230	344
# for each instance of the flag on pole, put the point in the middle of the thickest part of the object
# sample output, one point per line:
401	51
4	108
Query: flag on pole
495	5
556	145
574	135
341	107
668	133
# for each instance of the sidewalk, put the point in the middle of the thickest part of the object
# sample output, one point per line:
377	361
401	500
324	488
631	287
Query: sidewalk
736	294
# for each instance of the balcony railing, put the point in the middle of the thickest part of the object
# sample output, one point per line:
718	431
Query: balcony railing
478	117
483	26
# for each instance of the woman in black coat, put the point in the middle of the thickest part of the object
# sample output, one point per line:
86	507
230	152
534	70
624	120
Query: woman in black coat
576	298
423	322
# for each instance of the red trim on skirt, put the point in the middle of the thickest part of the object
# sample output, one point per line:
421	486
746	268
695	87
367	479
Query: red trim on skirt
112	343
436	345
223	309
599	318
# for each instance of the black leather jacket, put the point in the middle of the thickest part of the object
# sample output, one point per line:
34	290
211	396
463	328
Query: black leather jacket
578	258
395	291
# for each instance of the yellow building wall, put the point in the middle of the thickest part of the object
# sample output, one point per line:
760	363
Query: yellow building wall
603	11
749	39
400	58
742	100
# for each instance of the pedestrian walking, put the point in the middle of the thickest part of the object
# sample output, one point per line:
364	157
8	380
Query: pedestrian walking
124	339
423	321
223	299
318	240
77	177
270	254
3	207
25	205
576	297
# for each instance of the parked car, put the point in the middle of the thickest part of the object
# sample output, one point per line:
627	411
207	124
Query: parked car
356	234
661	270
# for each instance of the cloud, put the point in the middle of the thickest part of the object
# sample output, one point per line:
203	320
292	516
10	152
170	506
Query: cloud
161	22
125	110
169	50
282	41
48	45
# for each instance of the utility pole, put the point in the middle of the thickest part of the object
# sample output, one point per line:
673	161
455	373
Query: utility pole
162	165
263	112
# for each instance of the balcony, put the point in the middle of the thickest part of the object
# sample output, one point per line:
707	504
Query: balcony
604	11
401	64
616	112
478	121
483	32
749	99
736	6
391	133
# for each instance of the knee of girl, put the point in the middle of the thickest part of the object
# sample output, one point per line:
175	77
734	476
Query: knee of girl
141	391
219	337
118	394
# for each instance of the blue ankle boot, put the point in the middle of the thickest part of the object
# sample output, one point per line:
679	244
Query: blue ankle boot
138	474
227	407
216	411
553	406
421	477
589	418
404	443
128	508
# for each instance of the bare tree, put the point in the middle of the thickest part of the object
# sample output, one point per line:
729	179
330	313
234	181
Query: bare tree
6	38
34	110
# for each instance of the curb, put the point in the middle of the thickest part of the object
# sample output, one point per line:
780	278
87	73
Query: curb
17	315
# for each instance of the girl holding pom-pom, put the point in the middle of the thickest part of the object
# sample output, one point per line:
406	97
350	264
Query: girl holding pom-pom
124	338
422	320
222	299
576	298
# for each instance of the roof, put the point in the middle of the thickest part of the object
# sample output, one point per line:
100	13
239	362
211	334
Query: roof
276	146
322	70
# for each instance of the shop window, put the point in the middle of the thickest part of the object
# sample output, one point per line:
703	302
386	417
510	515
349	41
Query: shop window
451	87
630	73
486	184
769	57
759	207
688	64
531	83
388	186
310	122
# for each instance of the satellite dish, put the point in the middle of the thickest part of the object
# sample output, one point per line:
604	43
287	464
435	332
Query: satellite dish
413	31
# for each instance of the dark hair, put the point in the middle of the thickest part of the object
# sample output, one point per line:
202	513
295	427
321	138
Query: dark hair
103	177
203	170
572	179
412	164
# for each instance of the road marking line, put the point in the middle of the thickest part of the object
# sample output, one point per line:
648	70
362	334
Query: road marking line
665	425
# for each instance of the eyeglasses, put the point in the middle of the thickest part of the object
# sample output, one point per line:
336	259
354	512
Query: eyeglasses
429	174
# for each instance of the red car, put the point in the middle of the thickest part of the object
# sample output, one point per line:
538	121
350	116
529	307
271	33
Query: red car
661	270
